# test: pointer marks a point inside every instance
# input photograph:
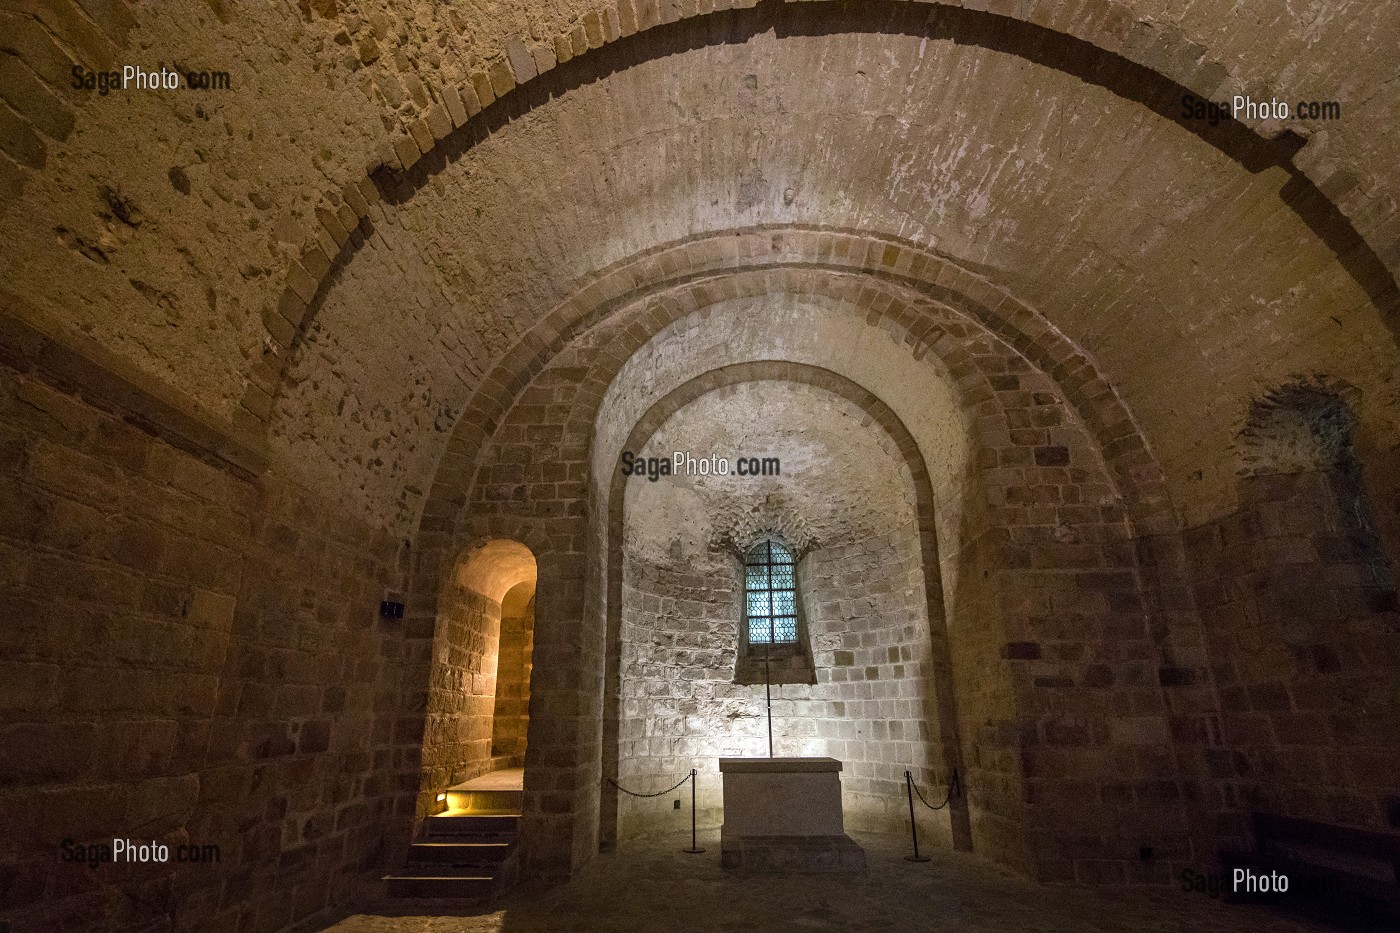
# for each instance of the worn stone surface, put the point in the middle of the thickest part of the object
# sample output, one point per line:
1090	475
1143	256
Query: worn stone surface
195	658
843	505
195	291
1304	626
510	721
290	350
465	705
654	886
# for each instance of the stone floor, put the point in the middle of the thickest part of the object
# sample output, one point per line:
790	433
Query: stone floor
652	887
504	779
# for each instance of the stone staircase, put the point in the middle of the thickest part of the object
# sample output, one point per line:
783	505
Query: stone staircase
468	850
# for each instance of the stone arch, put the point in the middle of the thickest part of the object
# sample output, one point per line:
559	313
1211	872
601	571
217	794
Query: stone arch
1297	443
892	278
461	686
1124	579
495	567
553	809
1106	29
944	700
1304	425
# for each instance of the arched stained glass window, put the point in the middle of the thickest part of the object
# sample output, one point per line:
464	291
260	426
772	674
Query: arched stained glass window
770	585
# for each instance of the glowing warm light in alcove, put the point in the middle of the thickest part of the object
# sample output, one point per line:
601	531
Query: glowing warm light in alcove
495	568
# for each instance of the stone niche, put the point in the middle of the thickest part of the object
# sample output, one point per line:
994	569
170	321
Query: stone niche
784	814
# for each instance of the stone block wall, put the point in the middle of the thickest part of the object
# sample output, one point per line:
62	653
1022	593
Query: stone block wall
311	717
1056	661
121	587
461	690
511	718
987	711
1299	602
681	707
872	650
193	658
562	756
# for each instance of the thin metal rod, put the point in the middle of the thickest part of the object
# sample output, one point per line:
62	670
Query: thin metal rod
913	826
694	845
768	684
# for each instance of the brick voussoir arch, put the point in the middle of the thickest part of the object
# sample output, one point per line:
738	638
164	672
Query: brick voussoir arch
894	429
803	374
1109	25
883	271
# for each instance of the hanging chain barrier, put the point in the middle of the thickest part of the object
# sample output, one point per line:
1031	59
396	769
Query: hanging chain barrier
954	790
694	848
660	793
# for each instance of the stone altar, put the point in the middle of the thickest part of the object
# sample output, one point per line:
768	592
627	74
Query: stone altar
784	814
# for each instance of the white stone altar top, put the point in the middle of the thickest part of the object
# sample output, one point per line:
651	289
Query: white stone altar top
777	765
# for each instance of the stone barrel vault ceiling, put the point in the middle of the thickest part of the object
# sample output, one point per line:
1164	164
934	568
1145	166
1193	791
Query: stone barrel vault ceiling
1197	267
1089	416
839	483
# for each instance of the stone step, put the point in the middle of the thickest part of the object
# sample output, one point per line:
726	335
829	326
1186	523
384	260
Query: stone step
452	852
421	883
486	801
471	823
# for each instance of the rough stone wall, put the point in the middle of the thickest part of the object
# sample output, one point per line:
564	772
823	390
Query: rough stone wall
1073	710
528	486
511	718
681	708
461	689
845	502
987	709
384	83
562	770
318	719
1304	637
871	646
1019	416
203	269
194	658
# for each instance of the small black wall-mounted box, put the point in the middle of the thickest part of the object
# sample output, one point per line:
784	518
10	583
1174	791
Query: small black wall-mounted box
390	610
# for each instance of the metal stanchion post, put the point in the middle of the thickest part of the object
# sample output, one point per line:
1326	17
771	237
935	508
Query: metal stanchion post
913	826
694	848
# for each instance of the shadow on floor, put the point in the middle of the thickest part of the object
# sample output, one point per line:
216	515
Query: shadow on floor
651	886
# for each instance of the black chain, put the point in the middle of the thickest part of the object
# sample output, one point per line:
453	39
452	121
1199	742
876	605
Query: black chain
953	787
657	794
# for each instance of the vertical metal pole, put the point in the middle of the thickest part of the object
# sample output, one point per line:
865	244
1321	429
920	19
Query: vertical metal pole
768	685
913	826
694	848
768	649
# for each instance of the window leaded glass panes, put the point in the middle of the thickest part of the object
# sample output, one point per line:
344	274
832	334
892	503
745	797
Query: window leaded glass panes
769	582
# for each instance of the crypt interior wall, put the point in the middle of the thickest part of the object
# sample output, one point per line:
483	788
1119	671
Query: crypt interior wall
1300	603
1062	697
194	656
344	342
511	718
844	506
459	739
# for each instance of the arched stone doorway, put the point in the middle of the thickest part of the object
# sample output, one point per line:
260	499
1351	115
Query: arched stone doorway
473	780
855	708
478	689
